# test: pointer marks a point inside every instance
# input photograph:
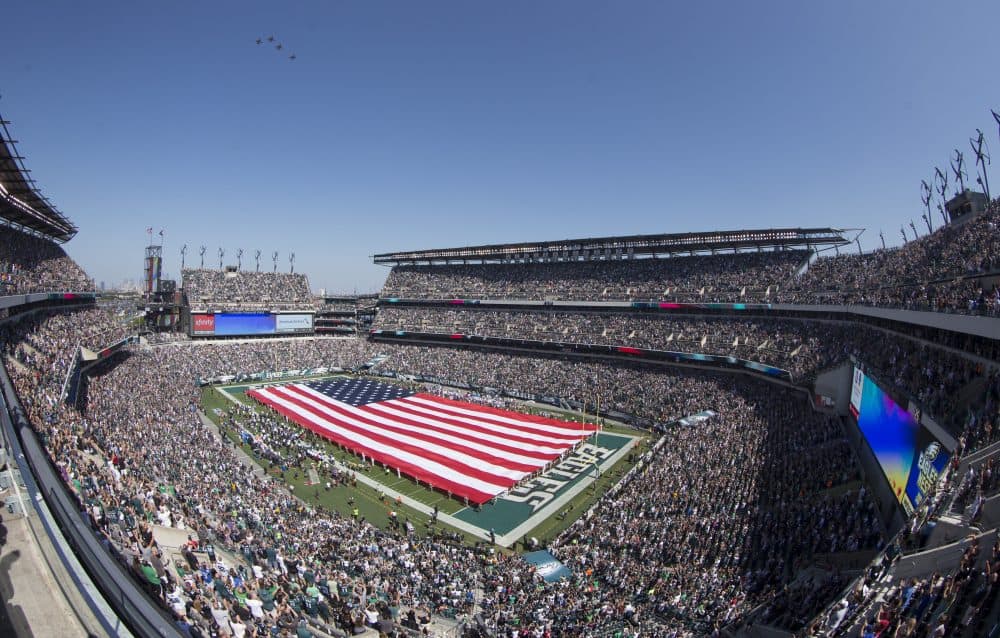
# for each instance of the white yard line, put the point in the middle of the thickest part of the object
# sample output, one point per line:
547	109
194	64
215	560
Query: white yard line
229	396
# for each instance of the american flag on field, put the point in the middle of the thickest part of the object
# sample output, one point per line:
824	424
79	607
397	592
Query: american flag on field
470	450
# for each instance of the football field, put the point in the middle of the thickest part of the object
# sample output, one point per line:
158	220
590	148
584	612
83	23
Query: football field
539	506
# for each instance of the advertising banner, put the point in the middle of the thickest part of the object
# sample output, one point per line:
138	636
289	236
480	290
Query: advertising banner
203	324
293	323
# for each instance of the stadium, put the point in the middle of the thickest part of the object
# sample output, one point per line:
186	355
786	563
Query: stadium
756	432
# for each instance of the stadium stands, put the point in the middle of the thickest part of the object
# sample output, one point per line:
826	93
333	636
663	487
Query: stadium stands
955	269
802	347
743	518
723	277
29	263
786	446
701	561
243	290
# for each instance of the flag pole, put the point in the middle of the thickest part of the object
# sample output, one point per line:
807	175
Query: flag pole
597	418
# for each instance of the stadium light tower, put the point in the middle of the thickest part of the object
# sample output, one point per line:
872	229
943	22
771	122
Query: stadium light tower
201	252
291	263
914	228
256	257
274	258
903	233
956	168
942	188
996	116
983	160
925	196
184	250
222	253
239	259
882	237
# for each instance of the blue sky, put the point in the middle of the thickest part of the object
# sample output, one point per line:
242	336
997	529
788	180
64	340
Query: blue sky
407	125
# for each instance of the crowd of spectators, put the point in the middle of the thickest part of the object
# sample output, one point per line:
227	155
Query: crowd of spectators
243	290
47	343
983	423
931	377
662	551
951	601
980	482
718	522
720	519
928	375
948	602
954	269
799	603
34	264
698	278
796	346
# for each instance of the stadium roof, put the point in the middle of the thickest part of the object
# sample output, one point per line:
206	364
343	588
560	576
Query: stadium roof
633	245
20	202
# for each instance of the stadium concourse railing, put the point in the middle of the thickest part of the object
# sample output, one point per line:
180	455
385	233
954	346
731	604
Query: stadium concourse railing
135	609
9	302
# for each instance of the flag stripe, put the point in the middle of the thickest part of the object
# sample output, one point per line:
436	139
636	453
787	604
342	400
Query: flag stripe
533	423
524	448
507	433
469	450
349	421
423	437
384	415
465	428
414	465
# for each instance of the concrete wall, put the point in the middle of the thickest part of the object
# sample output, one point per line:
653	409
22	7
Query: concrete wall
836	384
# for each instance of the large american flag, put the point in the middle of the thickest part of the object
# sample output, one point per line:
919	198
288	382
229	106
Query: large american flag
469	450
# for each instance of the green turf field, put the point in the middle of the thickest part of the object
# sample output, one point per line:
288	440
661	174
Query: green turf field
540	508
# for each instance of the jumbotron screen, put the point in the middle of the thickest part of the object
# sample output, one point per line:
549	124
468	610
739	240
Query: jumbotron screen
910	456
244	323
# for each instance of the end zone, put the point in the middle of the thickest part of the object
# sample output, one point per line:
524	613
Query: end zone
526	506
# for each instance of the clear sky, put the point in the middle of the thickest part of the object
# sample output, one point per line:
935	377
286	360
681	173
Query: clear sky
417	124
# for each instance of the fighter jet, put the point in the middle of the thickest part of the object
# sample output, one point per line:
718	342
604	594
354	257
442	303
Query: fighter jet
270	38
291	57
278	46
259	40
